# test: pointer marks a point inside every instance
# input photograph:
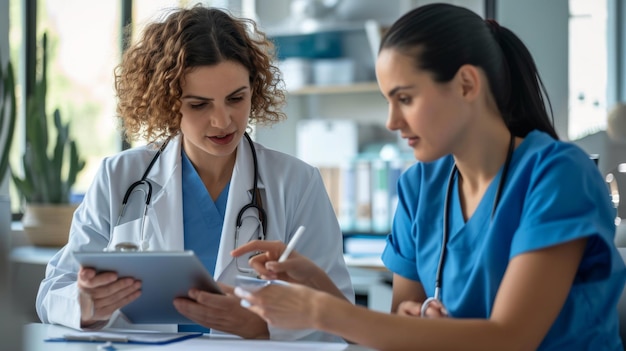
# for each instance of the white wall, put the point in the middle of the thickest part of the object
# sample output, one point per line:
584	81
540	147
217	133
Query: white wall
543	27
616	28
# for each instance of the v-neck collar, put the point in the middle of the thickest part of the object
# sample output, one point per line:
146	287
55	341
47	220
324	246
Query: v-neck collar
479	220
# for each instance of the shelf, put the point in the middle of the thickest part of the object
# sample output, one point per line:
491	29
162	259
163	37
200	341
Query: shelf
311	26
364	87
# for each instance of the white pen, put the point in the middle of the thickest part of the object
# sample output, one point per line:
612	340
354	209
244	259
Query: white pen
292	244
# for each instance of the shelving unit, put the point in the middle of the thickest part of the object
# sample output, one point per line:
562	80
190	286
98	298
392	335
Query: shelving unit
313	27
349	34
355	88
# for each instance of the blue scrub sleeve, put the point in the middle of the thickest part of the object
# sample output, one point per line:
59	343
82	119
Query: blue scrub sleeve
399	254
566	200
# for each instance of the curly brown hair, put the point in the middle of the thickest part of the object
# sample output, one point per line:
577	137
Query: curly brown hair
148	79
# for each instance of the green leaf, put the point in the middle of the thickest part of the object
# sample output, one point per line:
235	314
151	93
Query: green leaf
44	178
7	116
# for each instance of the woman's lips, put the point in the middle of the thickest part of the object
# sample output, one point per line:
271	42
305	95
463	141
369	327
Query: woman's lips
222	140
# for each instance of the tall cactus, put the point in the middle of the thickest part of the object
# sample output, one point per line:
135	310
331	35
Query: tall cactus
7	116
46	178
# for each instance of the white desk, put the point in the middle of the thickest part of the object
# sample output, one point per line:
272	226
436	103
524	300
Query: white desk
33	254
36	333
372	279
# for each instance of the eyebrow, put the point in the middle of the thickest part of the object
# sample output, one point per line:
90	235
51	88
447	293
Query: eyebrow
210	99
395	90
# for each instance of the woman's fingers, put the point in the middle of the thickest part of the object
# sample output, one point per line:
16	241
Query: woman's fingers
104	308
87	278
221	312
409	308
436	310
110	289
101	294
414	309
287	307
226	289
274	247
296	268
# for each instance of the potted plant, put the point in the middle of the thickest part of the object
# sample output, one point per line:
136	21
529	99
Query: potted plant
48	177
7	124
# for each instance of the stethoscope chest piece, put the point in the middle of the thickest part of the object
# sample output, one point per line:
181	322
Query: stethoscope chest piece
126	247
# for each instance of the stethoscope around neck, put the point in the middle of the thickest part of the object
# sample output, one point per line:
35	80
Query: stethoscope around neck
446	230
255	203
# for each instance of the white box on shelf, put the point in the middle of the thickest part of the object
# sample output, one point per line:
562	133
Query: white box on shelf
339	71
331	143
296	72
326	142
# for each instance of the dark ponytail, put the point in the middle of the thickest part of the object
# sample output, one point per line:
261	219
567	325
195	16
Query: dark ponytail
443	37
526	91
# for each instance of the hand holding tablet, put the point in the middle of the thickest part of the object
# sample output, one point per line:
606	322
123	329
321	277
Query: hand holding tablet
165	275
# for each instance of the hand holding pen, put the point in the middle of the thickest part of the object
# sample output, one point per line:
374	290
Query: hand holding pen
280	261
292	244
272	263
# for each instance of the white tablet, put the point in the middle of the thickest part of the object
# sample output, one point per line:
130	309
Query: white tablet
164	276
254	284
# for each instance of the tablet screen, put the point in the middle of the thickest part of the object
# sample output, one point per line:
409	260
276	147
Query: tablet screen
165	275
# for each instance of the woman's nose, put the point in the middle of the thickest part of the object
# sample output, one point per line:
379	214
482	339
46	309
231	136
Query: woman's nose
394	119
220	118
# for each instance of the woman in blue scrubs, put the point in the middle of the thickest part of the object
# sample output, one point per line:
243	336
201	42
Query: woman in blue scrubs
503	236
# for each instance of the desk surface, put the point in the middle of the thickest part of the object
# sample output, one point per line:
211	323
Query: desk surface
365	271
41	255
33	254
36	333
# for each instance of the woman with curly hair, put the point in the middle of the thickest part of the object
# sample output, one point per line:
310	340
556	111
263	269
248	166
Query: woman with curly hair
191	87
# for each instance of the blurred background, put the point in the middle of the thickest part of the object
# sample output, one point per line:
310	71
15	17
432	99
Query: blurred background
336	114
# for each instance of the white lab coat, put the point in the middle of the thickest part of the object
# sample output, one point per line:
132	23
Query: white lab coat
292	193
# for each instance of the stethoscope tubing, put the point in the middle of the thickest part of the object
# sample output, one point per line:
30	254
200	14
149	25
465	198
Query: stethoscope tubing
254	203
446	229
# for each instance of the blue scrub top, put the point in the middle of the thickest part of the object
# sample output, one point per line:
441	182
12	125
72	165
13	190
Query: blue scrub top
553	194
203	220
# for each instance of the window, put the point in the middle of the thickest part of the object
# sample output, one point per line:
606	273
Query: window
587	67
84	46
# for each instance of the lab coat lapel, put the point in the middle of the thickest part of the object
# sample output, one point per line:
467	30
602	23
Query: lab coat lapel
167	203
238	196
